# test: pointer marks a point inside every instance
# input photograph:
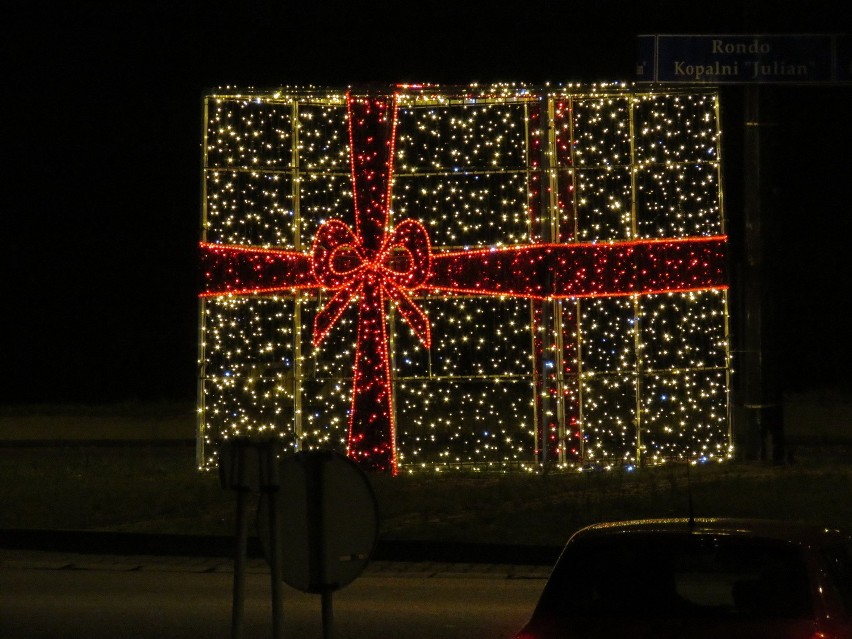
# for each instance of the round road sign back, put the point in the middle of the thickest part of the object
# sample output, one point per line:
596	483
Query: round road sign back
329	521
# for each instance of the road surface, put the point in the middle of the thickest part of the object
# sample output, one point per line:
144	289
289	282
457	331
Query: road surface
57	595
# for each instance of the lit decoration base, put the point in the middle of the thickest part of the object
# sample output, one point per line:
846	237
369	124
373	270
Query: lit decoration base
497	277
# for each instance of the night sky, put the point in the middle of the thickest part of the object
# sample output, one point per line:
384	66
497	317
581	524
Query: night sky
102	167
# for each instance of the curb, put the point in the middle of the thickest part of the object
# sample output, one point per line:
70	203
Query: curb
112	543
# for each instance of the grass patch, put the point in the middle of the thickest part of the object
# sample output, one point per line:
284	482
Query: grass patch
157	489
139	488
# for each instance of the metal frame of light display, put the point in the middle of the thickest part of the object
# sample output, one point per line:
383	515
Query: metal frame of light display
498	277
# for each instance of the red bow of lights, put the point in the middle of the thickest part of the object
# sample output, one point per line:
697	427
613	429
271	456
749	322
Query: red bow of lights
372	264
402	264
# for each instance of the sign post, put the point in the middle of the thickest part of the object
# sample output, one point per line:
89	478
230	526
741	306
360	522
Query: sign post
329	525
247	466
757	63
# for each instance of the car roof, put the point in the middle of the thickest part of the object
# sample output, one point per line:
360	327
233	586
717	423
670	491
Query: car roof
772	529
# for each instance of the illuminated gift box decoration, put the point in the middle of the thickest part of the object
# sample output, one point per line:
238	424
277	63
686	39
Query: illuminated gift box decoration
492	277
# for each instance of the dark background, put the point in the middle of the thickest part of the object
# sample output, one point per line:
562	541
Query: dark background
101	142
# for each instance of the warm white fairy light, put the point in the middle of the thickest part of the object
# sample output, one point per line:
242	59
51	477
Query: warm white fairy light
644	378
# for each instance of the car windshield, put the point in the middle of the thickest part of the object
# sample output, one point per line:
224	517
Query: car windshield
679	575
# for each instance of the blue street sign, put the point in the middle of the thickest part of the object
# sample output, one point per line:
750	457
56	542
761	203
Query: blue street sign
745	59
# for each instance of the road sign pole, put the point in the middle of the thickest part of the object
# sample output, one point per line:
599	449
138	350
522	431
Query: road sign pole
328	523
247	466
239	595
327	614
759	62
761	383
315	492
272	486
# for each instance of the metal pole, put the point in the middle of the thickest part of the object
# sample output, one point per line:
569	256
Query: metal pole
637	305
578	320
317	557
548	373
556	236
761	388
275	561
200	453
297	297
327	615
239	597
537	404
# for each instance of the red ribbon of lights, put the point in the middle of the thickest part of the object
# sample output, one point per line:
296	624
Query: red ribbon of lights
372	264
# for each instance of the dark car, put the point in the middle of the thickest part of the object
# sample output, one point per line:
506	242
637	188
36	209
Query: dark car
720	578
